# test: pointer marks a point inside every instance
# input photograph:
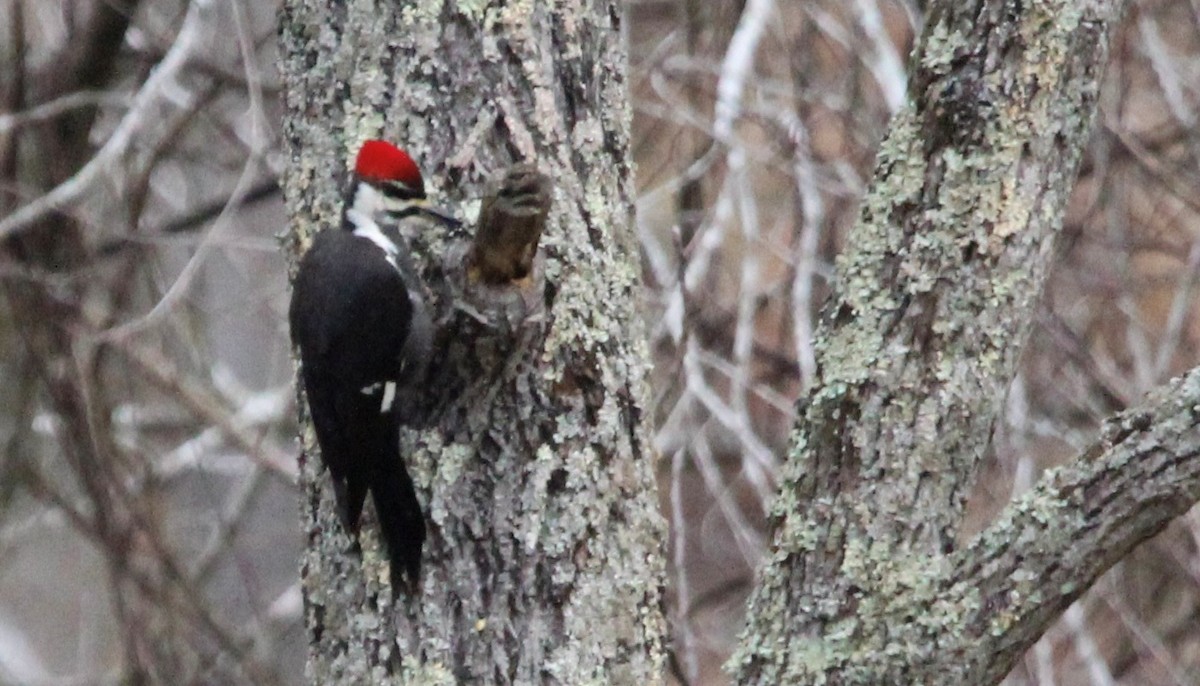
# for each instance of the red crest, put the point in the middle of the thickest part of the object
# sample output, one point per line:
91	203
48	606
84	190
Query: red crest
381	161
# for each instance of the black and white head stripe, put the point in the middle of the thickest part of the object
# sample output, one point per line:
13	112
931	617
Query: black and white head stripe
399	191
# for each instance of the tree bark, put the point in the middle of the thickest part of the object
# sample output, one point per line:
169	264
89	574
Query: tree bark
934	300
544	561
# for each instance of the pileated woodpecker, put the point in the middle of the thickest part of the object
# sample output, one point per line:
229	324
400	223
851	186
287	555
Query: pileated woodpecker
360	318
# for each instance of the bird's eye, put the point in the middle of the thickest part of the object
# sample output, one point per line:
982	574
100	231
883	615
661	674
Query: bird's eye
399	190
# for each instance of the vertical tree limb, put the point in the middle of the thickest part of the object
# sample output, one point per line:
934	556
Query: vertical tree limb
544	558
934	300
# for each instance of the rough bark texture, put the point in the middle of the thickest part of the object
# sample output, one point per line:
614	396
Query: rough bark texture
1051	545
543	563
934	300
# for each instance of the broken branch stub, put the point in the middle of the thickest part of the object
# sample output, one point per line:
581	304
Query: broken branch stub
511	219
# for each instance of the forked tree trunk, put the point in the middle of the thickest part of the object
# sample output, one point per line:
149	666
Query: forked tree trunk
544	560
866	582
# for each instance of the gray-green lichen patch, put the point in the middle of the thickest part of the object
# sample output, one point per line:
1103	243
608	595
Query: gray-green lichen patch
545	543
424	673
934	297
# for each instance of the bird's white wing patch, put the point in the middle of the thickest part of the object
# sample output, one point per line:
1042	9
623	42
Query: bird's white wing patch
389	394
389	397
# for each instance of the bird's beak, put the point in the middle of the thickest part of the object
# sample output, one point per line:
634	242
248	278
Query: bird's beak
441	214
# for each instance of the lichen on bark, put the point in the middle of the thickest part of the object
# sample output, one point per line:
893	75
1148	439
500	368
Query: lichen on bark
933	301
544	561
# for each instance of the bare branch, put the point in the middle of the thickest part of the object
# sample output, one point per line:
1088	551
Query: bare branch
148	97
1056	540
11	123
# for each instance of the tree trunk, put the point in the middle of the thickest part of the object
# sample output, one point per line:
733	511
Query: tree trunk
544	560
866	582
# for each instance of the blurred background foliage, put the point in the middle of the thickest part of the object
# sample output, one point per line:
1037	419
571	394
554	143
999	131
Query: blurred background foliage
148	515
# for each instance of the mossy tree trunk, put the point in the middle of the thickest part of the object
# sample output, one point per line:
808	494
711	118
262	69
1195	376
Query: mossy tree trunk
866	582
544	561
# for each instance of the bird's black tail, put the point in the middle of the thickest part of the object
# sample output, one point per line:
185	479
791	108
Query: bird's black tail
400	521
341	450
